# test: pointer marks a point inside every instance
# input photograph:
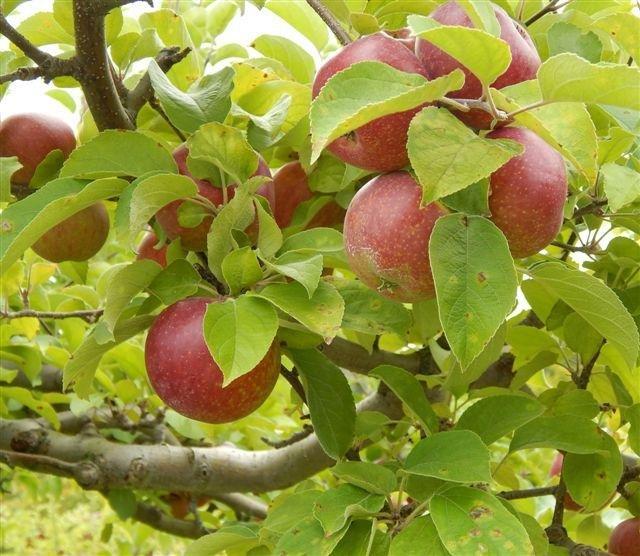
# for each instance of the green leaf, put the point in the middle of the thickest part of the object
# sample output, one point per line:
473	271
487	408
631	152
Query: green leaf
177	281
322	313
226	148
624	28
362	538
574	402
474	199
84	361
567	77
594	302
471	521
366	91
407	387
536	533
118	153
48	169
124	285
304	268
563	432
269	235
368	476
565	37
285	512
366	311
207	102
418	538
321	240
63	97
621	184
241	269
24	222
330	401
153	193
8	165
42	29
300	16
492	418
483	54
447	156
592	479
231	536
334	508
239	333
27	399
123	502
456	456
295	58
483	15
475	282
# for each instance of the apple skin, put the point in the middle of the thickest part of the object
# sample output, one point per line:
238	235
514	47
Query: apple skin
380	145
405	37
185	376
147	250
528	193
195	239
625	538
524	65
386	235
78	238
31	137
291	187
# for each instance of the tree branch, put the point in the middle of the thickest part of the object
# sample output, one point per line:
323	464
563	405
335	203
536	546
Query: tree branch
552	6
333	24
243	505
90	316
527	493
582	381
156	518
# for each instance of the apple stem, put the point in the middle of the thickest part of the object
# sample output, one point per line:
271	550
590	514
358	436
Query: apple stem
333	24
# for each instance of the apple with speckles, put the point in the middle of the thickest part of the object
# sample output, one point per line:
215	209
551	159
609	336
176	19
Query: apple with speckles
380	145
291	186
195	239
185	376
386	235
78	238
527	194
625	538
148	250
524	65
31	137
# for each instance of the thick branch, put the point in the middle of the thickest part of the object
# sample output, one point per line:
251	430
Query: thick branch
210	471
90	316
94	67
333	24
244	505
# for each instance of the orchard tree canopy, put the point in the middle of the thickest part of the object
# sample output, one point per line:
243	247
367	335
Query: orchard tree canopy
365	284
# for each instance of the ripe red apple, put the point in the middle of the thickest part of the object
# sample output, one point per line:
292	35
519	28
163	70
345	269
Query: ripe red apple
195	239
524	65
78	238
380	145
185	376
292	188
556	469
31	137
386	235
528	193
147	250
405	37
625	538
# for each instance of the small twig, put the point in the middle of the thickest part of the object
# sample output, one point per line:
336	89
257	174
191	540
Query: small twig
23	74
90	316
591	208
582	380
558	511
467	104
293	379
589	250
527	493
333	24
551	7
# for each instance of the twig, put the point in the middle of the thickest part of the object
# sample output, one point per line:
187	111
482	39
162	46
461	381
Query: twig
296	437
333	24
527	493
558	511
156	518
90	316
551	7
582	380
23	74
591	208
467	104
293	379
575	248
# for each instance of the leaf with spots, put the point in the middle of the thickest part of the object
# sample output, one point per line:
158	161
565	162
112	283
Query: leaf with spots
475	282
369	476
457	456
471	521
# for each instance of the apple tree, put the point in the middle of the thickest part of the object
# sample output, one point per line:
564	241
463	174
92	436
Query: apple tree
370	290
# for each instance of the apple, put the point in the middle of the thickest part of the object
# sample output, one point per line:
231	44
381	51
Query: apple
528	193
147	250
625	538
404	36
78	238
184	375
31	137
291	187
386	235
524	65
380	145
195	239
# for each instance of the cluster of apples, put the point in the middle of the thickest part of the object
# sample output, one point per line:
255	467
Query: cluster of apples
386	230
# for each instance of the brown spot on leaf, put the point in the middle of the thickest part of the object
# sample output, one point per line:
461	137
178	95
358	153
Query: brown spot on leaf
481	277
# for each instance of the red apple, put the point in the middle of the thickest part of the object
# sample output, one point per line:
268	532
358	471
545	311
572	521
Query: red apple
524	65
147	250
292	188
405	37
556	469
179	503
625	538
380	145
528	193
195	239
31	137
185	376
78	238
386	235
